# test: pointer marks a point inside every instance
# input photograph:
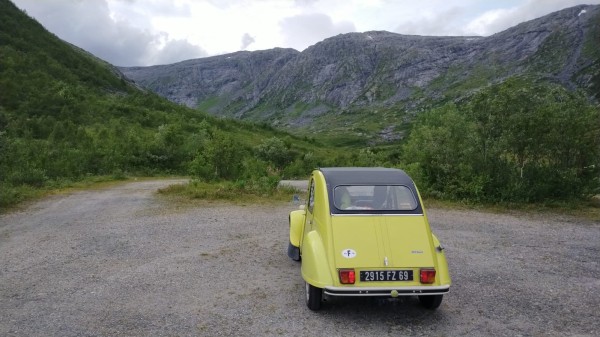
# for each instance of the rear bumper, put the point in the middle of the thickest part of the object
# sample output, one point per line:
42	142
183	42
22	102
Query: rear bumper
391	292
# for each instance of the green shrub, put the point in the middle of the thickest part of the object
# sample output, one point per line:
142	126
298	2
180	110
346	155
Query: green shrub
519	141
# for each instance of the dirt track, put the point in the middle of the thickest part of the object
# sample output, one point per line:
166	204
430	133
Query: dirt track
123	262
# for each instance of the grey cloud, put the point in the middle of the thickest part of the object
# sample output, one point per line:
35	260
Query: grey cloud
246	41
175	51
88	25
301	31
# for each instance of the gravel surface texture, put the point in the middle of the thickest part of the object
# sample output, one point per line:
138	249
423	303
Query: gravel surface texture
123	262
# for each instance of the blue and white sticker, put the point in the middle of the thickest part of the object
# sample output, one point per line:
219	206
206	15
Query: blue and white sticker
349	253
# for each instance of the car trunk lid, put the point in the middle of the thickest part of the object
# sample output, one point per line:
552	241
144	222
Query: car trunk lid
366	242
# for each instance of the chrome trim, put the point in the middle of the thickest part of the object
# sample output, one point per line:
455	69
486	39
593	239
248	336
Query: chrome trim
377	291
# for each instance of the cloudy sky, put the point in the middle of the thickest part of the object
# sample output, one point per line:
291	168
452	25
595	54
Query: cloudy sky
148	32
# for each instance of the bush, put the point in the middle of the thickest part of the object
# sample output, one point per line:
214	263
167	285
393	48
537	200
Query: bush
274	151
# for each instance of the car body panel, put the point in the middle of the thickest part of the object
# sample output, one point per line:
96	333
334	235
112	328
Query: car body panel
297	226
401	241
443	276
315	269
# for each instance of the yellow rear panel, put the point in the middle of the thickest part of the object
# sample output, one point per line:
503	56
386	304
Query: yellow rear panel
382	242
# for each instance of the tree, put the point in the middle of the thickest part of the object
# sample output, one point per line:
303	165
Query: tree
221	158
442	153
538	140
274	151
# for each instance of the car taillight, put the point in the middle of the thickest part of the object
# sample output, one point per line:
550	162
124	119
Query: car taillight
427	276
347	276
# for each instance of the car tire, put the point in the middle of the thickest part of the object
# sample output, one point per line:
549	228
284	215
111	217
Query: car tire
431	302
313	297
293	252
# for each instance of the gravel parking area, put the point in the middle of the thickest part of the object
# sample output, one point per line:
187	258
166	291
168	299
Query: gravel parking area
123	262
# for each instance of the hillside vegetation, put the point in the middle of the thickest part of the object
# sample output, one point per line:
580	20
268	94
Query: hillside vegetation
67	116
519	141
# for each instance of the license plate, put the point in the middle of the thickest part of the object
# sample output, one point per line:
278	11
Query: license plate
386	275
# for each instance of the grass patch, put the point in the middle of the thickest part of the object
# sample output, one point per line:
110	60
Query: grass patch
261	191
11	196
584	209
266	191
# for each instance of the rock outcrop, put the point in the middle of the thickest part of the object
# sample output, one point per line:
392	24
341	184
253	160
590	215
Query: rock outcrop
378	69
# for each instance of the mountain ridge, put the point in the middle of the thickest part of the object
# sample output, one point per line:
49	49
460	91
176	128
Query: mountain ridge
379	70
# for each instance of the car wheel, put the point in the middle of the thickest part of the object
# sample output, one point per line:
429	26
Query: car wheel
431	302
313	297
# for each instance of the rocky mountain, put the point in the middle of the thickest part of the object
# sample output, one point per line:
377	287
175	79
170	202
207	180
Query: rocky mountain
347	80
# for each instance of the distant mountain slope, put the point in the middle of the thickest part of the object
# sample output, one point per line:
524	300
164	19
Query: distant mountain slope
344	79
66	115
226	77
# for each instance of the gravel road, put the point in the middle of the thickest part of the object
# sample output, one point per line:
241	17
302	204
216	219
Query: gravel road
123	262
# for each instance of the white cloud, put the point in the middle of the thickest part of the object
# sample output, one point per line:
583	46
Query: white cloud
433	23
303	30
246	41
491	22
494	21
174	51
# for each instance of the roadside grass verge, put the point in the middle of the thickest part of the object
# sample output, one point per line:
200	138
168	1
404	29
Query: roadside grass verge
253	192
261	191
585	208
265	190
11	196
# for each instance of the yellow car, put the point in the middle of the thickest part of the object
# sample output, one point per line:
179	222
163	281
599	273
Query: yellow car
364	232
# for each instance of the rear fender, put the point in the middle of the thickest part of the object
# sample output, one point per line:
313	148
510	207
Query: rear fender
442	265
315	267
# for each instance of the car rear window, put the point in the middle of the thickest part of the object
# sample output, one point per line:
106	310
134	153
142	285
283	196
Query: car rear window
374	197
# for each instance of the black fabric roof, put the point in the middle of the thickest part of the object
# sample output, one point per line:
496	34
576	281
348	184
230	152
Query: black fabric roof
366	176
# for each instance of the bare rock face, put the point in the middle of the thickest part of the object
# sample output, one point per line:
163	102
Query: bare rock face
381	69
237	76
